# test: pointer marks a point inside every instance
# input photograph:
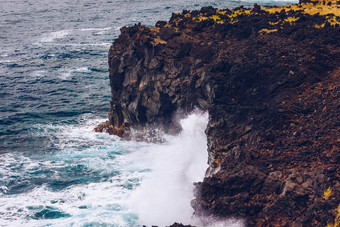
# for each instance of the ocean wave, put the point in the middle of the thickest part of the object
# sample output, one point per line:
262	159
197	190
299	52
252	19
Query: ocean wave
68	73
86	182
99	179
38	73
96	29
50	37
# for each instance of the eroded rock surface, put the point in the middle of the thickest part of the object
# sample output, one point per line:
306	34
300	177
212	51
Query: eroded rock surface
270	82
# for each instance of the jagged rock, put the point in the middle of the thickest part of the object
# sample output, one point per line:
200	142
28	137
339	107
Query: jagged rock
174	225
180	225
269	79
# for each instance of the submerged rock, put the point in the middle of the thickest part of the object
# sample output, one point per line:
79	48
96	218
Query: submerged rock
269	79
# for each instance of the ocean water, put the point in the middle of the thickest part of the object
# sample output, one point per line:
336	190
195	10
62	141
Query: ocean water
54	89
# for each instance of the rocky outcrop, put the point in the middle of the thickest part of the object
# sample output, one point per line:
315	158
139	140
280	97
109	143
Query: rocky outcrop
269	79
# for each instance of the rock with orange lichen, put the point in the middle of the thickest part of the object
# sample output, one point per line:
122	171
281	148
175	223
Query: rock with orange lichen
269	79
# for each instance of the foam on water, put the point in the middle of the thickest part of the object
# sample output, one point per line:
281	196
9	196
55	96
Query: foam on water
68	73
96	29
82	44
38	73
86	182
50	37
98	179
78	205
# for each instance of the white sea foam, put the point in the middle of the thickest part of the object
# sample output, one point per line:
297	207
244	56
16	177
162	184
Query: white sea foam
77	135
62	34
81	44
38	73
65	75
7	61
116	163
138	183
288	1
50	37
95	202
4	53
96	29
82	69
68	73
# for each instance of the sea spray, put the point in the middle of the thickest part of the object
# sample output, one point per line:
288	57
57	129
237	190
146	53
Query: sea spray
98	179
165	194
85	182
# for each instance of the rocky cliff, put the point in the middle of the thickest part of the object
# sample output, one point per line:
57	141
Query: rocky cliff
269	79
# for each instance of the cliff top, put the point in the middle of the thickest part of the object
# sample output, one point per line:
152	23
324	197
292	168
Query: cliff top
327	7
327	13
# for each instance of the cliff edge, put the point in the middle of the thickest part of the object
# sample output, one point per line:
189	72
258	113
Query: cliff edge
269	79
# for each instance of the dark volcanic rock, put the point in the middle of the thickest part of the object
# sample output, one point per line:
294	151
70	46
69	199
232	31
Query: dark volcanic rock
180	225
270	82
175	225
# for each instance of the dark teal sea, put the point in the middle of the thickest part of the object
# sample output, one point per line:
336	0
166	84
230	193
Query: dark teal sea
54	89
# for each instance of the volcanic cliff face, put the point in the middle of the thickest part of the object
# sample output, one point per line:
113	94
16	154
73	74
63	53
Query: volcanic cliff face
270	82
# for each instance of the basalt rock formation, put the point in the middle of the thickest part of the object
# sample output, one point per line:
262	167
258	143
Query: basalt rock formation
269	79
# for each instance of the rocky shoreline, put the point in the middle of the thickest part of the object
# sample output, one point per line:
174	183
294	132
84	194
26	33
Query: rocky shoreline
269	79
